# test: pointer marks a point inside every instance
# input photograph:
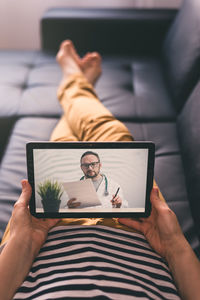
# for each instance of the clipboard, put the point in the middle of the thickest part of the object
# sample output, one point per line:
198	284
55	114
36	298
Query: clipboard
84	192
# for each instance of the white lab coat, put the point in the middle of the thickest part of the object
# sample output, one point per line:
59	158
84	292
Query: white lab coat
112	189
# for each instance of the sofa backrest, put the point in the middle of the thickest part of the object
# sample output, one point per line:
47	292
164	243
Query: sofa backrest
181	52
188	126
106	30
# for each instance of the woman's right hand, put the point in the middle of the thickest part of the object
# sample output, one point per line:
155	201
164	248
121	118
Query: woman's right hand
161	228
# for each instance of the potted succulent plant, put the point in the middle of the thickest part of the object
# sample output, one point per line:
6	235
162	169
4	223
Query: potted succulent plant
51	193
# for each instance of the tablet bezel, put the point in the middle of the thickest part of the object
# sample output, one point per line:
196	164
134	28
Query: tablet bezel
92	145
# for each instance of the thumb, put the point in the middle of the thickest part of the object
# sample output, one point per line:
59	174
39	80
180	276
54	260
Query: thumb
156	202
26	193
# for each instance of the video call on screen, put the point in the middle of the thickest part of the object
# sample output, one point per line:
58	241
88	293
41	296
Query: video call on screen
114	180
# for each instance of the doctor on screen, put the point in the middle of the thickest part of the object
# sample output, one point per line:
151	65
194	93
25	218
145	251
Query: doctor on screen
109	192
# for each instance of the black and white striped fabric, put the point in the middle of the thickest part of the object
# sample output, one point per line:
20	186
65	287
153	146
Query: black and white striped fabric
97	262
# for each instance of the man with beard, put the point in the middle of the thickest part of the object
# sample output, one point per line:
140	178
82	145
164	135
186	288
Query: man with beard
109	192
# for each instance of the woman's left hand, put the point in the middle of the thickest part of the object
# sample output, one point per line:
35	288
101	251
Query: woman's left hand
24	224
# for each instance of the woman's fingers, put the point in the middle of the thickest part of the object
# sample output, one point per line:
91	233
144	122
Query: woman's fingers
135	224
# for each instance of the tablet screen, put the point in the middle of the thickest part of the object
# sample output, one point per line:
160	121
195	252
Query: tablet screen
90	179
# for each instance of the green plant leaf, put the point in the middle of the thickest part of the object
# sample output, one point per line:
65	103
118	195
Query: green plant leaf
50	190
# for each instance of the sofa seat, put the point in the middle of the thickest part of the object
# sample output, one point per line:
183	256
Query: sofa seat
168	158
29	81
13	165
134	88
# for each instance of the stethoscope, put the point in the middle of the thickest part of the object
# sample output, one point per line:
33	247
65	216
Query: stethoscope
106	193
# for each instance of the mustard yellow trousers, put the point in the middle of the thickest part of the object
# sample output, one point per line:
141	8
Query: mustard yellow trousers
85	118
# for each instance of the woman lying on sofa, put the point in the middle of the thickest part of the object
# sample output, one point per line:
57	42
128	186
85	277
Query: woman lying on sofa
125	258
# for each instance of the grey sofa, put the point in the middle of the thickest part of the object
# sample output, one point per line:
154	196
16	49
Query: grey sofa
150	81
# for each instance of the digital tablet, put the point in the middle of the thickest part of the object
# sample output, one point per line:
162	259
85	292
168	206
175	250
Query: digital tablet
90	179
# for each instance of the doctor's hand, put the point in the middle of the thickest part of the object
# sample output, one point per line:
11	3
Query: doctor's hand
116	201
72	204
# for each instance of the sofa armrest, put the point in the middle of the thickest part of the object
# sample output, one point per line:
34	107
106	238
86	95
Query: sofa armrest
109	31
6	126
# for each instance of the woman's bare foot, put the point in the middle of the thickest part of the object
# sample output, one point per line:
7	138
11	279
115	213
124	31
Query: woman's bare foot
91	66
68	59
70	62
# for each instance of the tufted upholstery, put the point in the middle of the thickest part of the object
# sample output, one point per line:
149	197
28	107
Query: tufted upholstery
181	52
133	87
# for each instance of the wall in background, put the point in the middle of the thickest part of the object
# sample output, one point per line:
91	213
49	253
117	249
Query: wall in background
19	19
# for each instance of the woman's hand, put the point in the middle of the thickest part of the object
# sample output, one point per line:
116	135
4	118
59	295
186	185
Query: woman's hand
164	234
161	228
23	223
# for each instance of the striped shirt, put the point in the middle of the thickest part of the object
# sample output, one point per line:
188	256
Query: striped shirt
97	262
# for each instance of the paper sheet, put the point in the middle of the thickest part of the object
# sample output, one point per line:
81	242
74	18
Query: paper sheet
83	191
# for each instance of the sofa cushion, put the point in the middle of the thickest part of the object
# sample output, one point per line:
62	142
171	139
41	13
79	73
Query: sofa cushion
13	165
131	88
134	89
164	136
189	129
181	52
17	57
169	175
26	74
10	97
39	100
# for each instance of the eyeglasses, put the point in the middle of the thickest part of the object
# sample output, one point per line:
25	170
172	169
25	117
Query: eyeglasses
93	165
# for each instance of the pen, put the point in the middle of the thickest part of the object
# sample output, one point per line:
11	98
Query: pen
116	193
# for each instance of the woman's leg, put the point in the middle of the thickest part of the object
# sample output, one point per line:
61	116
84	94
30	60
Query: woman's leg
62	132
86	118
